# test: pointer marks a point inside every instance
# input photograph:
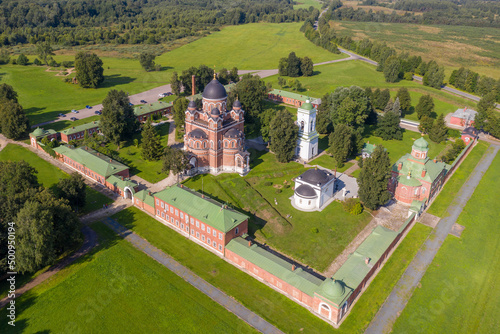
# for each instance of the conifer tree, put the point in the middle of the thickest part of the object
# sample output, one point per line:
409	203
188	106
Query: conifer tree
388	127
151	148
389	106
439	131
396	108
341	143
373	179
425	106
404	99
15	123
175	84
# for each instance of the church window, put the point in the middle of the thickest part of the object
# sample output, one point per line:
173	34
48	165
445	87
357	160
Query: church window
302	125
197	145
211	144
236	231
309	203
204	144
232	144
423	191
238	162
225	144
416	191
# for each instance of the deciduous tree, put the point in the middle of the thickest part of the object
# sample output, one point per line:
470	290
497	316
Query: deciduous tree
392	69
147	61
340	143
307	66
15	123
284	133
89	70
425	106
439	131
404	99
73	190
22	60
174	160
349	106
426	124
44	50
117	121
175	84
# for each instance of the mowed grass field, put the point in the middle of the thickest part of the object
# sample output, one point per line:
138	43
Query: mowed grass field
118	289
307	3
451	46
354	72
453	185
252	47
49	175
313	238
459	293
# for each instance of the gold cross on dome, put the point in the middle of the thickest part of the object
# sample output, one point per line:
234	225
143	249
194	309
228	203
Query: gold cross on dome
214	73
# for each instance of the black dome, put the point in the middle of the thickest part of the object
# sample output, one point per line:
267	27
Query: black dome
197	133
237	104
215	111
232	133
315	176
214	90
192	104
305	191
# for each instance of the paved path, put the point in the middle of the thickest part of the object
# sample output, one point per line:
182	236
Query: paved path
217	295
402	292
89	243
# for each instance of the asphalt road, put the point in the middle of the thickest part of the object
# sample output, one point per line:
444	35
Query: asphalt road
402	292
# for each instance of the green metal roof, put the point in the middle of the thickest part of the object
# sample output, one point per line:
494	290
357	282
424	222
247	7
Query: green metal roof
39	132
368	148
205	209
307	105
80	128
411	165
275	265
151	107
118	182
355	269
100	164
291	95
421	144
411	182
145	197
416	205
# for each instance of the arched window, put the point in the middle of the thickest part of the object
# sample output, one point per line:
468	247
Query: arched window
212	145
197	144
238	162
302	125
225	144
204	144
232	144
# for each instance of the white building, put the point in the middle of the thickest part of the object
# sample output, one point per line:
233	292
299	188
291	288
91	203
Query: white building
314	190
307	144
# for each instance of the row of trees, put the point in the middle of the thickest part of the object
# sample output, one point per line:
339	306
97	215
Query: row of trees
45	222
82	22
294	66
204	75
472	82
15	123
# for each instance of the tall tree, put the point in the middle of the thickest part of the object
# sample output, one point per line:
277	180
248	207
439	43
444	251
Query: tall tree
341	143
382	98
117	121
89	70
388	127
283	67
151	148
284	133
180	106
425	106
233	74
147	61
349	106
44	50
8	92
434	75
251	91
404	98
392	69
389	106
293	65
426	124
174	160
223	76
396	108
265	118
73	190
374	177
22	60
307	66
15	123
175	84
439	131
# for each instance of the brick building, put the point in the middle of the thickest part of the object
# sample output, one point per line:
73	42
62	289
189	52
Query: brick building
415	177
463	117
215	138
469	135
160	108
39	133
78	132
293	99
99	168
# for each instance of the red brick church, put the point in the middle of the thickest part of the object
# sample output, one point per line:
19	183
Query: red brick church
215	138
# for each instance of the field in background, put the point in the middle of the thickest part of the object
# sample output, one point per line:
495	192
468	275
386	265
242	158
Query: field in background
477	48
117	289
459	293
307	3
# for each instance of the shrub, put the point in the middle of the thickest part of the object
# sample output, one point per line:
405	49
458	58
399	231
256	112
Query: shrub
37	62
314	230
408	76
268	183
286	186
278	191
453	133
68	63
357	209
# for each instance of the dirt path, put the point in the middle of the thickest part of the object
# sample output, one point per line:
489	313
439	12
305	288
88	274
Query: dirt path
90	241
402	292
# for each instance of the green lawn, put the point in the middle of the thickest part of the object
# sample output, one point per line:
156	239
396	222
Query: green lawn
285	228
398	148
131	155
48	175
459	292
307	3
441	105
118	289
446	196
329	162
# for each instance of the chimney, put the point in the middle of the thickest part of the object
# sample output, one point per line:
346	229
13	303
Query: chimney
368	142
423	172
367	260
434	160
98	154
202	196
122	178
249	243
182	186
110	160
400	165
150	193
193	86
293	267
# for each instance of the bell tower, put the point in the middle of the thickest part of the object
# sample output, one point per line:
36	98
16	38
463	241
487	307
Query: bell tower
307	144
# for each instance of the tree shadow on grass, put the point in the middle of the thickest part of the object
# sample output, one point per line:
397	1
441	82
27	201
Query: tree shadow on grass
23	303
115	80
255	157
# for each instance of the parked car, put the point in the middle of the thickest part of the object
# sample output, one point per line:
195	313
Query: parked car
144	101
74	111
162	94
62	115
97	112
130	103
88	107
169	93
73	119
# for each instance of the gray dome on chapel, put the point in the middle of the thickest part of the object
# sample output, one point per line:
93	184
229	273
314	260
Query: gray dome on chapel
315	176
214	90
215	112
305	191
